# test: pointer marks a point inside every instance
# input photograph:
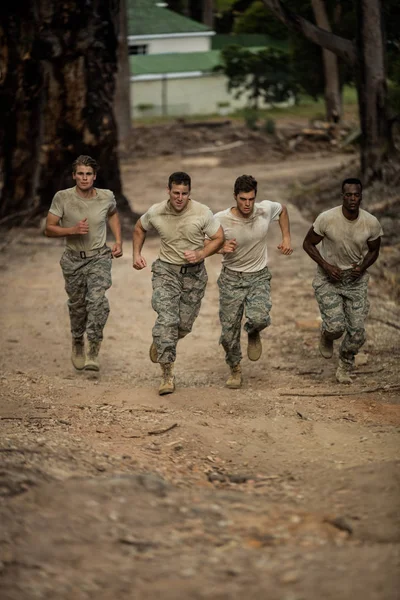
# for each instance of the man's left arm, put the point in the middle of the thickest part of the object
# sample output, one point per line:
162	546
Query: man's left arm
215	242
285	246
115	226
369	258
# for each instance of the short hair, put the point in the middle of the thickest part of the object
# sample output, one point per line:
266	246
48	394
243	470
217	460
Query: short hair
245	183
351	181
179	178
87	161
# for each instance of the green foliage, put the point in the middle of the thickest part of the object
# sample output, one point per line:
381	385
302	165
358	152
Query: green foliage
250	116
259	19
263	75
269	126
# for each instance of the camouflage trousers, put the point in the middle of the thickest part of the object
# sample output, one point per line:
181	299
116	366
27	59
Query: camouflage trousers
86	282
176	299
239	293
344	307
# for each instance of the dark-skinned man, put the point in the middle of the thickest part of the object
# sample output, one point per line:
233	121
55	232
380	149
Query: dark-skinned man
350	239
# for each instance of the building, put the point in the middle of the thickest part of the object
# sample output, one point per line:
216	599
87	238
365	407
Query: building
172	64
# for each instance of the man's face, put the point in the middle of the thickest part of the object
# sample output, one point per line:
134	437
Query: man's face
352	197
179	196
84	177
245	203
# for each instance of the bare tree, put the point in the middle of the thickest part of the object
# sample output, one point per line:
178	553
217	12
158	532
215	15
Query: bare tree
122	102
333	102
208	13
366	56
58	67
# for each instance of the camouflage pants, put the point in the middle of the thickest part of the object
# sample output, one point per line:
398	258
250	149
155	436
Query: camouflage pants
86	282
242	292
176	299
344	307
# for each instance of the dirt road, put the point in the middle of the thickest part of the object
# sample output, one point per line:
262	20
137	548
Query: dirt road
286	489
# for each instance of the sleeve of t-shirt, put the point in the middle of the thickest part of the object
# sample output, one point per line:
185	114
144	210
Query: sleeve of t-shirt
376	231
211	224
113	205
319	225
145	220
274	208
57	206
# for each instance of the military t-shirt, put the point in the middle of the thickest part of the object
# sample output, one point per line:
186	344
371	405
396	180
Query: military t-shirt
72	208
251	254
344	242
180	231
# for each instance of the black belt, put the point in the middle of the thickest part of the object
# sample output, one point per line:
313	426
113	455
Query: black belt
83	254
183	269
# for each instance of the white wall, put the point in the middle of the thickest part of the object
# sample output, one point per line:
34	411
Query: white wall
189	96
173	44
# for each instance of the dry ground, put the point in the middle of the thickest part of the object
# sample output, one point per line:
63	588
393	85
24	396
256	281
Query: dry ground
286	489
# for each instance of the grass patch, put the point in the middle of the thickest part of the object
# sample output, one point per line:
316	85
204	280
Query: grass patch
307	108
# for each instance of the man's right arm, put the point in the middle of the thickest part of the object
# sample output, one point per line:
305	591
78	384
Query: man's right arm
310	246
53	229
139	236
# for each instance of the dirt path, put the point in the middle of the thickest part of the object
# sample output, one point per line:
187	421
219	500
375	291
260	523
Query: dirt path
286	489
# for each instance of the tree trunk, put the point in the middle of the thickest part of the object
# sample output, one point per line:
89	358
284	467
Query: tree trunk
56	101
333	103
122	102
372	90
208	13
367	59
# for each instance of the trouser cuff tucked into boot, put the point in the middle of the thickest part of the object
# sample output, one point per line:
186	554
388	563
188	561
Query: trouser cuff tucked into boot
78	357
92	357
234	380
167	385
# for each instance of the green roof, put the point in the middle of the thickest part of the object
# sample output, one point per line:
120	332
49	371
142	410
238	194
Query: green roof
247	40
146	18
176	62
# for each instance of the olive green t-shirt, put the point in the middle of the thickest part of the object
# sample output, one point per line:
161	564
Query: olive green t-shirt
72	208
180	231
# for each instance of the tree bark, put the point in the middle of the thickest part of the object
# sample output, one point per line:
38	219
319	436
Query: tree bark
122	102
56	101
333	102
208	13
367	59
372	90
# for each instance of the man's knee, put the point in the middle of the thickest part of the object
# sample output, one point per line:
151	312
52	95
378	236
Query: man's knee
358	336
334	333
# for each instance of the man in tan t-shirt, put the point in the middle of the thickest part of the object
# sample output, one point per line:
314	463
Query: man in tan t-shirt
179	274
80	214
350	240
244	282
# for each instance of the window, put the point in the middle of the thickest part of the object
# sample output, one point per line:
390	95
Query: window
140	49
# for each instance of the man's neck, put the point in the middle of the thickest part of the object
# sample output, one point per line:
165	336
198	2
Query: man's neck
350	216
85	193
236	212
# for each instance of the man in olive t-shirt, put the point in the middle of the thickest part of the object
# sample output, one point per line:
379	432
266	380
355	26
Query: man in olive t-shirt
350	240
80	214
179	274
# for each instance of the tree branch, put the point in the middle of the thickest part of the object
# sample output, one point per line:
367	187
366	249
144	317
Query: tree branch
340	46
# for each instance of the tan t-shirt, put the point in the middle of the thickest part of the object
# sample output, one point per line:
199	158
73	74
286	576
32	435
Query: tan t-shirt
344	242
181	231
72	208
251	254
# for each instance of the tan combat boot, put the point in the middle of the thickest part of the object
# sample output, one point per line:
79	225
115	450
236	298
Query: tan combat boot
343	373
78	353
254	347
325	346
167	385
92	357
234	381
